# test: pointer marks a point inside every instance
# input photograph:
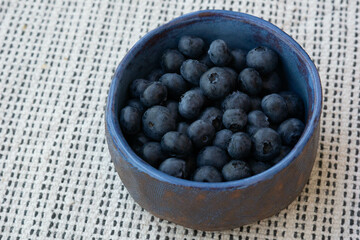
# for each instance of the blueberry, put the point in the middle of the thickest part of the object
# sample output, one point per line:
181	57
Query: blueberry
294	104
155	74
207	174
266	144
239	59
157	121
191	47
136	104
191	70
235	170
216	83
212	156
290	131
234	119
213	115
201	133
250	81
191	103
274	106
219	53
237	100
174	167
255	103
258	119
239	146
258	166
153	154
205	59
138	86
222	139
176	144
138	141
263	59
251	129
130	120
154	94
283	152
233	78
171	60
175	84
182	127
271	83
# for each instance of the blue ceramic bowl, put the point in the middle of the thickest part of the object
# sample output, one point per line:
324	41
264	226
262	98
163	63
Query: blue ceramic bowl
226	205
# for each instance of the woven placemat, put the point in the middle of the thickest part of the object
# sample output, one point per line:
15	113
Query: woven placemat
56	63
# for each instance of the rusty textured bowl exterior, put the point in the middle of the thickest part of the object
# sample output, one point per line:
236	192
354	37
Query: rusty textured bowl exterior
216	206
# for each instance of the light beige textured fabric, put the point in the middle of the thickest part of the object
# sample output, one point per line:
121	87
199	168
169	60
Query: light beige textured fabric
56	63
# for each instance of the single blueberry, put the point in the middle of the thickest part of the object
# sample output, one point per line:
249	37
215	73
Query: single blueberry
239	59
157	121
212	156
237	100
138	86
255	103
152	153
283	152
191	70
234	119
294	104
182	127
137	142
250	81
174	167
190	46
263	59
191	103
134	102
219	53
155	74
173	106
239	146
258	166
171	60
207	174
213	115
175	84
266	144
130	120
290	131
176	144
271	83
216	83
222	139
258	119
154	94
205	59
235	170
274	106
201	133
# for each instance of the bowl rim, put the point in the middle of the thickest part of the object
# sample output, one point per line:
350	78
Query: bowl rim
121	145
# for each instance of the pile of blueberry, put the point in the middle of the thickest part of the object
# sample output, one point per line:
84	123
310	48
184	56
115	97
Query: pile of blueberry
220	115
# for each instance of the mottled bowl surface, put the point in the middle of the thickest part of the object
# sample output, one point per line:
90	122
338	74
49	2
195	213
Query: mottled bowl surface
164	195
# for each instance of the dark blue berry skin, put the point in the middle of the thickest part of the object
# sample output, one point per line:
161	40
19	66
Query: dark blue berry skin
136	104
171	60
258	119
207	174
130	120
173	106
237	100
239	146
192	47
290	131
201	133
216	83
152	153
294	104
219	53
154	94
283	152
137	142
239	59
235	170
222	139
258	166
251	129
157	121
250	81
212	156
266	144
138	86
255	103
174	167
263	59
191	70
176	144
213	115
175	84
271	83
155	74
233	78
274	106
205	59
183	127
234	119
191	103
